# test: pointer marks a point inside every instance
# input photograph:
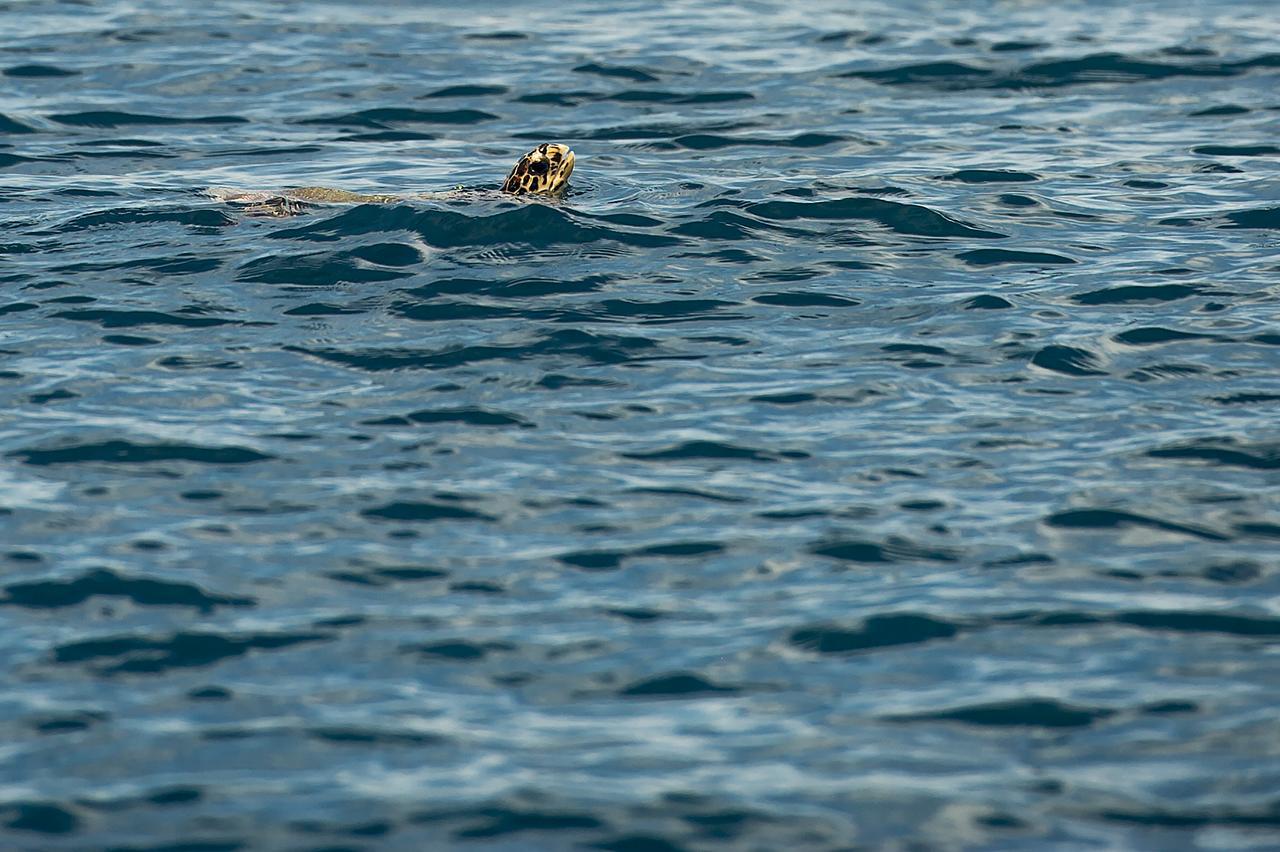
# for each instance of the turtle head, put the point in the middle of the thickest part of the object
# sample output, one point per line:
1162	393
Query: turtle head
543	171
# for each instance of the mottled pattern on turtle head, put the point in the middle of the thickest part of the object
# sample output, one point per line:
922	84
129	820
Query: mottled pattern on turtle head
543	171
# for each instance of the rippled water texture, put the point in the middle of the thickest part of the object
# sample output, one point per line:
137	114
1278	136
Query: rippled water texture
878	446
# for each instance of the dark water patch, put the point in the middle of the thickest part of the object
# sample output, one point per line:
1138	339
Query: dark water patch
680	98
128	452
1225	109
148	655
178	264
1169	708
682	549
322	309
1019	713
1154	336
187	846
1108	67
801	299
595	348
387	575
675	685
711	142
987	302
1099	519
1130	294
640	614
909	219
649	313
595	560
518	289
1011	46
1223	451
938	73
785	398
1236	150
17	307
990	176
1147	184
135	216
425	512
892	550
461	651
1264	816
536	224
37	71
107	118
624	72
469	416
323	269
70	723
1266	218
181	362
1230	573
877	631
130	153
7	160
1201	622
995	257
9	125
388	136
350	735
558	98
39	818
507	35
109	318
384	118
714	450
466	91
102	582
690	492
1068	360
459	311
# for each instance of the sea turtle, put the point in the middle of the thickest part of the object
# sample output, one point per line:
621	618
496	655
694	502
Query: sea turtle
543	171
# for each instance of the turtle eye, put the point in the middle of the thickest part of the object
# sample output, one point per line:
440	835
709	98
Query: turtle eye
538	167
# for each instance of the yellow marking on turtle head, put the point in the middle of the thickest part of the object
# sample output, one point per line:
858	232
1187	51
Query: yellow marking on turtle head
543	171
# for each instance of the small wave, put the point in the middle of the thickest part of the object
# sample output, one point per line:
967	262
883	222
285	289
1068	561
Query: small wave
910	219
1021	713
676	685
149	655
624	72
530	223
128	452
383	118
1224	451
102	582
715	450
894	549
9	125
467	416
999	257
596	348
108	118
878	631
1100	519
424	512
1059	73
38	71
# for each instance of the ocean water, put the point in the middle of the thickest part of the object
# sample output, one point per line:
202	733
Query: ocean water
877	448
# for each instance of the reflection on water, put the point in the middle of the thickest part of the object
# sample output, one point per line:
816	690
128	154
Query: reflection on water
876	446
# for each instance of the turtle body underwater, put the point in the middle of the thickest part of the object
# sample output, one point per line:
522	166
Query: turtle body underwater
544	171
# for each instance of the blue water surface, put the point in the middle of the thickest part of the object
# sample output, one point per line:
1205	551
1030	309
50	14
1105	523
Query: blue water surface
877	448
